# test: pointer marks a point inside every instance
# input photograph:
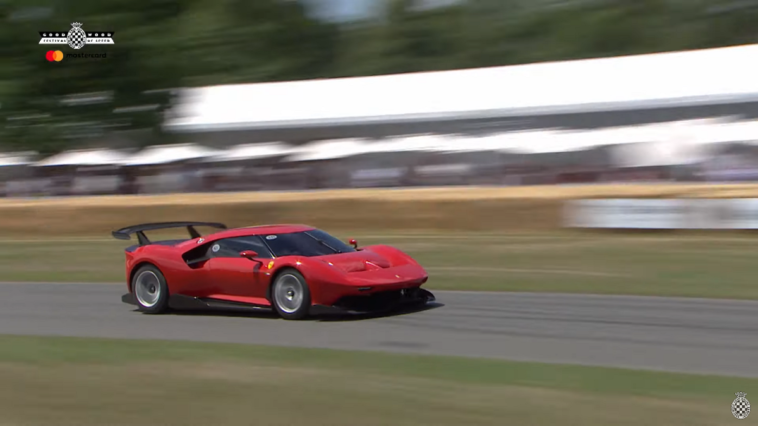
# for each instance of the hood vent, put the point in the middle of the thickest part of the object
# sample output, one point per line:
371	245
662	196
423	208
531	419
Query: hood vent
353	264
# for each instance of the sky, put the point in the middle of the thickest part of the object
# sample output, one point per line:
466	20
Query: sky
349	10
343	10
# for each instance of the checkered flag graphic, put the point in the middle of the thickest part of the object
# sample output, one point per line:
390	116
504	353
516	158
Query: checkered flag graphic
76	36
741	406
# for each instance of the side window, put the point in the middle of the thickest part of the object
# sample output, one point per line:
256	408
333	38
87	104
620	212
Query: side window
232	247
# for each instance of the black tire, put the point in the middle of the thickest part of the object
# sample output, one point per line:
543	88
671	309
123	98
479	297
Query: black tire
148	280
290	295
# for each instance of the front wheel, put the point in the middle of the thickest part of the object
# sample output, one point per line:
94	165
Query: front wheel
291	295
150	290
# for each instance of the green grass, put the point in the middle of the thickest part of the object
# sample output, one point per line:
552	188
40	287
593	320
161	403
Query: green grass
673	265
73	381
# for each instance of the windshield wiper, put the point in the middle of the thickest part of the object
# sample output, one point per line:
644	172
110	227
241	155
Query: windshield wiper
323	243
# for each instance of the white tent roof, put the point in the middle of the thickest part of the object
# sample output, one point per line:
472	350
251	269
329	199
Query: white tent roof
658	154
672	143
532	141
87	157
329	150
16	158
663	79
496	142
165	154
253	151
418	143
725	132
553	140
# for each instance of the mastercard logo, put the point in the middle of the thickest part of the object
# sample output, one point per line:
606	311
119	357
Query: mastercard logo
54	55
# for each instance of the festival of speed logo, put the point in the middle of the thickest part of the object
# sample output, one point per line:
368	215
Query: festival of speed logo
76	37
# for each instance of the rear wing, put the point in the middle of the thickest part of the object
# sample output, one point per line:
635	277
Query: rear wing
125	233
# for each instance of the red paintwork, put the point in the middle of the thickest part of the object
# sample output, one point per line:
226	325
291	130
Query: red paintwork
239	279
250	300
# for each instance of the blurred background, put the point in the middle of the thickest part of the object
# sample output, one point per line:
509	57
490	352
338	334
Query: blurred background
262	95
534	121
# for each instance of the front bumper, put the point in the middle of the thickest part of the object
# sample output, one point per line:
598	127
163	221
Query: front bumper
384	301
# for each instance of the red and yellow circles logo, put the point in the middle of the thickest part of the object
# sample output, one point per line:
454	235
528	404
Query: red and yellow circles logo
54	55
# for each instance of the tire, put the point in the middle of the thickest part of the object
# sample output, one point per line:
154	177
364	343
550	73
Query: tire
290	295
150	290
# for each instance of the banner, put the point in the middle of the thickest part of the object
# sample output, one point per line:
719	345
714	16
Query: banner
662	214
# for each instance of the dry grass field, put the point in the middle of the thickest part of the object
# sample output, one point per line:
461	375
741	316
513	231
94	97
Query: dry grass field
452	193
500	209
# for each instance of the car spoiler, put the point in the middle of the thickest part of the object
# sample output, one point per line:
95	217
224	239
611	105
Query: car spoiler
125	233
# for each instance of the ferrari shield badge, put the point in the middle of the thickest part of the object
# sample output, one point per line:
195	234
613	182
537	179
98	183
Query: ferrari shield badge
741	406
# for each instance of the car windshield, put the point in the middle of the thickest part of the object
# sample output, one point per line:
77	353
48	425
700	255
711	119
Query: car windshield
309	243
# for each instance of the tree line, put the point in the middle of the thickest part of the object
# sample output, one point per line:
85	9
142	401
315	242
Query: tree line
161	45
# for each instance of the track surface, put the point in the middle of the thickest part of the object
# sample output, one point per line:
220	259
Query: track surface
685	335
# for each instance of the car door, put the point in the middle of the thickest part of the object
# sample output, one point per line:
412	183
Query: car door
234	275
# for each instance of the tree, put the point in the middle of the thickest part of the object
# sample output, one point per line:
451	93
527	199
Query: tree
159	45
167	44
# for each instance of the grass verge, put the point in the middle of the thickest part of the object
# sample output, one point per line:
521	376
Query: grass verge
75	381
661	265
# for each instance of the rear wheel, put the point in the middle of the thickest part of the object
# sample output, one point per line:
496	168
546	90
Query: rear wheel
291	296
150	290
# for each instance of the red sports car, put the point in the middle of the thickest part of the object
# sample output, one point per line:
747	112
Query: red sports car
288	268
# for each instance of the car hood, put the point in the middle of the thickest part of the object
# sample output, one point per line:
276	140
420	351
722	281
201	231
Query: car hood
356	261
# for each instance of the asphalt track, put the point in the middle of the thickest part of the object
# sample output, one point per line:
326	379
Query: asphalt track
685	335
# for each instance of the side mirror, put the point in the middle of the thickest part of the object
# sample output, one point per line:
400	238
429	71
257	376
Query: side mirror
354	243
249	254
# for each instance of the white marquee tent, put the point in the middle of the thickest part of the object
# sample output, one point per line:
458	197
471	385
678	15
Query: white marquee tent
86	157
664	79
12	159
166	154
252	151
679	142
329	150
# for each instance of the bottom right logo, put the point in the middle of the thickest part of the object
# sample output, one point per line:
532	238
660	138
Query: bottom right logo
741	406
